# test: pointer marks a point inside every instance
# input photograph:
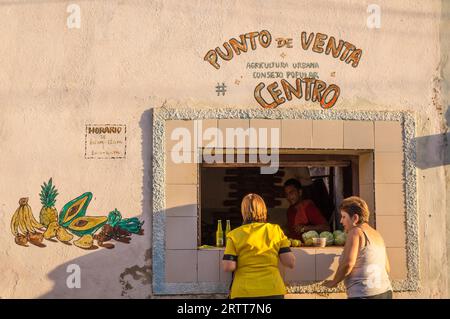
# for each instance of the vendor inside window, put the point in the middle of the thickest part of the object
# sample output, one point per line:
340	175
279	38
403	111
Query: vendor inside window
302	215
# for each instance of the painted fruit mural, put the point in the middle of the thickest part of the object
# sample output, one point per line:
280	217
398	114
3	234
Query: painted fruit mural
48	212
71	225
24	226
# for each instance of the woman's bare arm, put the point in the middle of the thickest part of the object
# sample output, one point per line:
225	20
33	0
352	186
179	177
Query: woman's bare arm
288	260
350	254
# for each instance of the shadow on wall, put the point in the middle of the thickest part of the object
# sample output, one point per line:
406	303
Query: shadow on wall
103	275
447	139
434	150
125	270
325	265
311	268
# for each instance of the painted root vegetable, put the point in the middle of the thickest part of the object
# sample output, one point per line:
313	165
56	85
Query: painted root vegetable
119	229
328	236
48	212
108	232
308	237
36	237
21	240
24	226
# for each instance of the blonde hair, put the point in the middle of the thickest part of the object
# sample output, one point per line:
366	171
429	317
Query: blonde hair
355	205
253	208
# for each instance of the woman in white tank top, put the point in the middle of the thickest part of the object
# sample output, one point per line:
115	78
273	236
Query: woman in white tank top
364	265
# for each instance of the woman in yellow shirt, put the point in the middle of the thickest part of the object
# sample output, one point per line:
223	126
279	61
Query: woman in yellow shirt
252	252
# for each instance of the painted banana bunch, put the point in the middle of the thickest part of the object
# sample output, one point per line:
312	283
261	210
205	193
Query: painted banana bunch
24	226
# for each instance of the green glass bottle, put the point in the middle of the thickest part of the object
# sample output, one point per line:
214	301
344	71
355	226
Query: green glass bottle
219	234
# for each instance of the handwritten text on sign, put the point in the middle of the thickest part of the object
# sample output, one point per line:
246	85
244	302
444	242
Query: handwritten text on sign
105	141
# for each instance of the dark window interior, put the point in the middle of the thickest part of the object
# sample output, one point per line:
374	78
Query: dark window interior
326	179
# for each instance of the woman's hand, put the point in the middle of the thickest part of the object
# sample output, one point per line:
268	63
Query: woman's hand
228	265
329	284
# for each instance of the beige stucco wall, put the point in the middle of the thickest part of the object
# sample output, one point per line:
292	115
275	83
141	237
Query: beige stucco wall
445	89
131	56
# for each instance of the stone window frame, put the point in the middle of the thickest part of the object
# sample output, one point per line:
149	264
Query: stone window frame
161	115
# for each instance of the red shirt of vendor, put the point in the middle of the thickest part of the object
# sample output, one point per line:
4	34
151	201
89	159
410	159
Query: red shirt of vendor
302	215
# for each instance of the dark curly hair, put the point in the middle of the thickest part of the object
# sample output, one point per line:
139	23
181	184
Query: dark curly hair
293	182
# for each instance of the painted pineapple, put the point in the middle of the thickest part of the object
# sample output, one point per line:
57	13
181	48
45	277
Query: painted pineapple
48	212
